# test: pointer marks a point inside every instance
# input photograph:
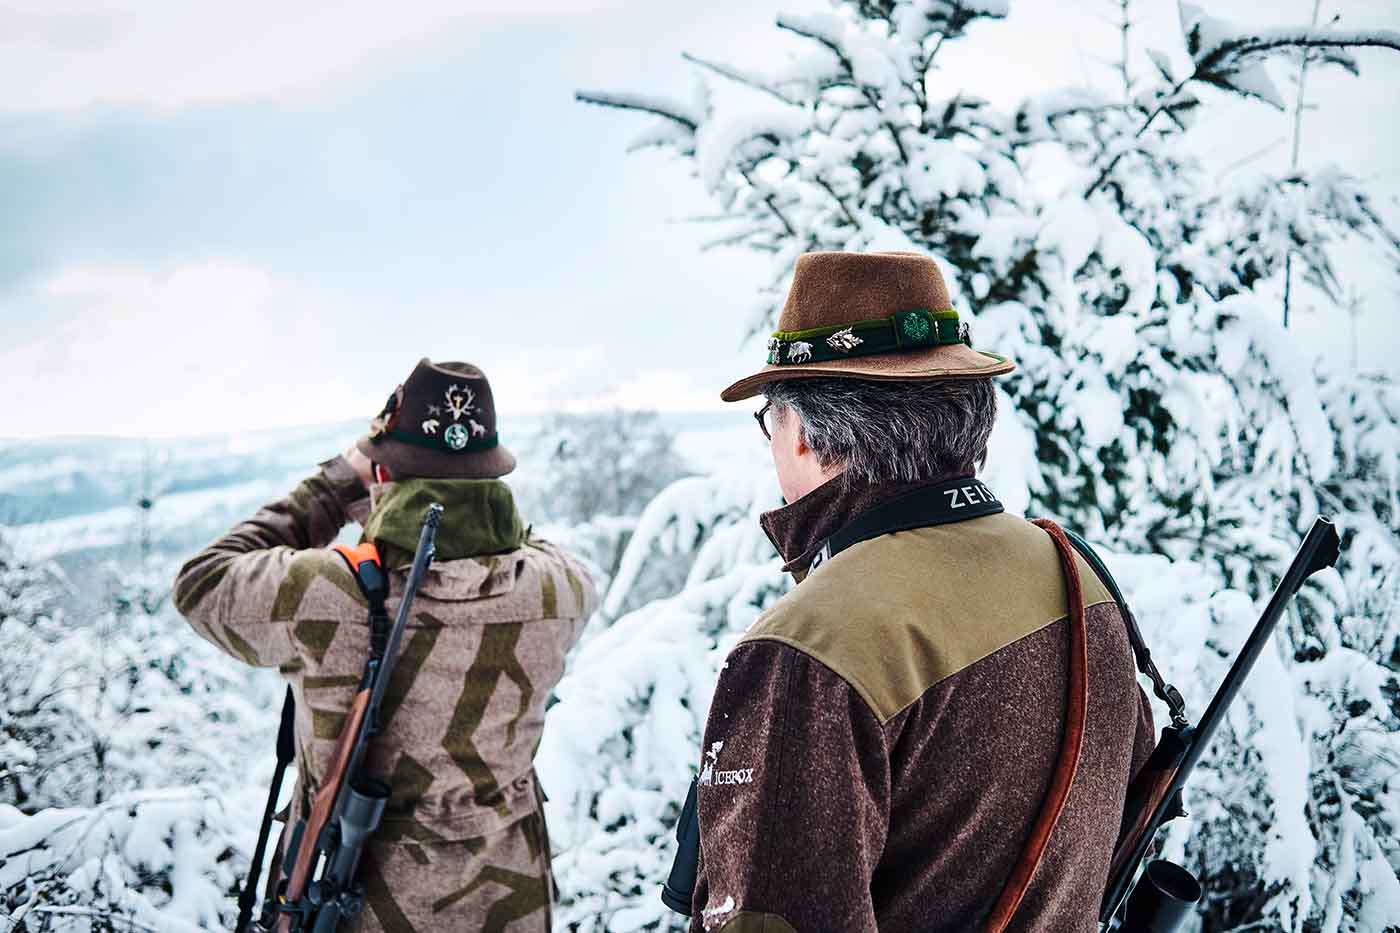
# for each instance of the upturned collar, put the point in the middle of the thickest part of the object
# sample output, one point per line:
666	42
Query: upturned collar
799	529
479	518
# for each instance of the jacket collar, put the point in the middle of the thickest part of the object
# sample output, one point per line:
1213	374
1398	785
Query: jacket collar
479	518
799	529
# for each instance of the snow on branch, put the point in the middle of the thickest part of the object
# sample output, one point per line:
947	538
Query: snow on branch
644	103
1265	39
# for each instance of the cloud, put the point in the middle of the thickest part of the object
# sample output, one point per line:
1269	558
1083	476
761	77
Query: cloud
222	346
207	347
171	54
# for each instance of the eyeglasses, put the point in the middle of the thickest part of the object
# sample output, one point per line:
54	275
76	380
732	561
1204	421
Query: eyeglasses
759	416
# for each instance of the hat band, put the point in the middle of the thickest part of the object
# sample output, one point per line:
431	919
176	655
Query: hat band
454	440
915	329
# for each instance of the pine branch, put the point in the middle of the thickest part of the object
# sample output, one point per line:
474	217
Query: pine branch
642	103
798	29
1239	46
1266	40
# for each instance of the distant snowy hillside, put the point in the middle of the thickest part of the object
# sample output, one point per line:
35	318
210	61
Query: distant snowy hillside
76	499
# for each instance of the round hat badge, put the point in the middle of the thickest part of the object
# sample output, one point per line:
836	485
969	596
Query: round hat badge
456	437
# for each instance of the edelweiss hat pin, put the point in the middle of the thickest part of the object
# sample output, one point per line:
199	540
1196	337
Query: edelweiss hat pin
441	423
880	316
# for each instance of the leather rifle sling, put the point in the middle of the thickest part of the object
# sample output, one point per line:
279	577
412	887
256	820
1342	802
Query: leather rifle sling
1063	777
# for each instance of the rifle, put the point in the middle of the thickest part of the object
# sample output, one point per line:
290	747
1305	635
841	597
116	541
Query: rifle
1166	892
324	851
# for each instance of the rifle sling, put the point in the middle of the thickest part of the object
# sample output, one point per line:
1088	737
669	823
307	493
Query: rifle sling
1141	653
964	499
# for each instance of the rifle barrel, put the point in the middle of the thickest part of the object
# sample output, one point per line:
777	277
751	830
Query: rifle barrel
1319	550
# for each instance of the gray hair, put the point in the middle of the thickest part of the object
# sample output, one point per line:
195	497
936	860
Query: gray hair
892	431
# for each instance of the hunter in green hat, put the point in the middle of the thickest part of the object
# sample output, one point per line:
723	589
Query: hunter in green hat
935	729
463	844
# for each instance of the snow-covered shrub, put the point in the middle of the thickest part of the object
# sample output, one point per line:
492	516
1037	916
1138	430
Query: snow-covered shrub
120	701
33	724
607	463
1166	408
590	475
619	745
97	716
147	860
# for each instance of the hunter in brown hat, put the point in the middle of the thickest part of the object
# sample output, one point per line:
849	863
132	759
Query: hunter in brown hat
934	730
462	845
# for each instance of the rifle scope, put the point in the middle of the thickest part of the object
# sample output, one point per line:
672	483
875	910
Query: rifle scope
1162	899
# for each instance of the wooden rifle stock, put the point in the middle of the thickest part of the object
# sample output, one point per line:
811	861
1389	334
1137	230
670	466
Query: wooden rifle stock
323	805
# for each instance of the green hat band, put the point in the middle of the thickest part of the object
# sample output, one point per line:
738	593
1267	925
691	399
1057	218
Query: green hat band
455	439
903	330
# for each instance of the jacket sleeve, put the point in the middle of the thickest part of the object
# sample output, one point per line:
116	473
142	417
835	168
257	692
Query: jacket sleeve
242	591
794	798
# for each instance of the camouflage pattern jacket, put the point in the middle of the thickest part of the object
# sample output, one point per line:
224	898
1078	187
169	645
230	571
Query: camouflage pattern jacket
496	614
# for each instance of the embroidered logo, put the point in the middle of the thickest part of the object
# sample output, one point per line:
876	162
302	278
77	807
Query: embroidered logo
799	352
710	775
460	401
775	350
430	426
707	773
915	326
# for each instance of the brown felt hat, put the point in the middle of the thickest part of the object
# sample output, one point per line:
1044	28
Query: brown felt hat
880	316
440	424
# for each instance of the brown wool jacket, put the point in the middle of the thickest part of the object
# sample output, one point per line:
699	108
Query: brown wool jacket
882	740
462	846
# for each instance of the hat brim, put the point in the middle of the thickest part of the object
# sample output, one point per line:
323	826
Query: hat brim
952	361
408	460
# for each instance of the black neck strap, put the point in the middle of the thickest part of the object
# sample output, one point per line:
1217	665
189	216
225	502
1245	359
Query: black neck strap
954	500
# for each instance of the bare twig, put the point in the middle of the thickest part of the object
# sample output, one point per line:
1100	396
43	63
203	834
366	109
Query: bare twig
840	201
1125	24
739	77
1293	160
772	204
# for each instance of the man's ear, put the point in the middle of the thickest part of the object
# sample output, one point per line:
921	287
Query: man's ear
799	438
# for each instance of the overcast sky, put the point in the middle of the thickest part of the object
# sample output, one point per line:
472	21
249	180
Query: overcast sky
225	216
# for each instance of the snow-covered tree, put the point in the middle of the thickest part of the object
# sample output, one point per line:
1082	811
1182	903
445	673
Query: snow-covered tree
141	861
605	463
589	477
115	808
1164	407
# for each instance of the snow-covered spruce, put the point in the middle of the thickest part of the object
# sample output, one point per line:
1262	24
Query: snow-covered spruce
1167	412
